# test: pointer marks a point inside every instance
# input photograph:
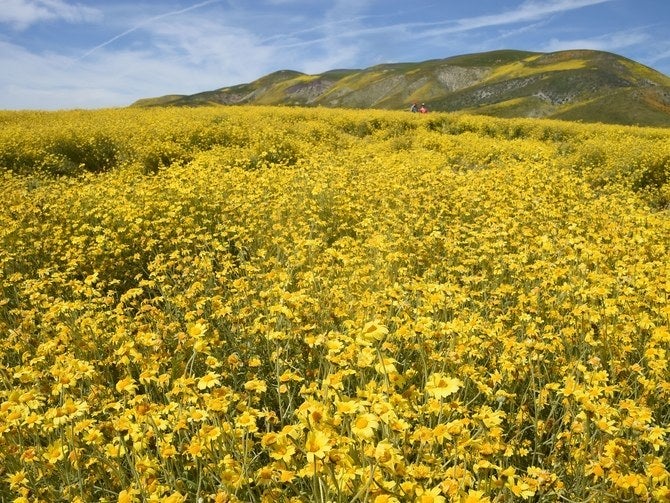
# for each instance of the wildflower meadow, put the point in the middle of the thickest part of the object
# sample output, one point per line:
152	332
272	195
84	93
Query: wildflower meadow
263	304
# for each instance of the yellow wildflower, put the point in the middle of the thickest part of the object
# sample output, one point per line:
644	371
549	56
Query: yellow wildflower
441	386
316	445
364	425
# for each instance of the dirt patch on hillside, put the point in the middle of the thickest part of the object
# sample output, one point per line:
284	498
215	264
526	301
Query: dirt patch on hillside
309	92
459	77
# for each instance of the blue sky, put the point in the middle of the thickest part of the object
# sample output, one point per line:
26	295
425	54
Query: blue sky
62	54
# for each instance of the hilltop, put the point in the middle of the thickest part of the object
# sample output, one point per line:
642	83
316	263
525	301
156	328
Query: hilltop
577	85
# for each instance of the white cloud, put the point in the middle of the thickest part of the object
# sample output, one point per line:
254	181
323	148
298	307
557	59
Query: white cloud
172	54
660	54
528	11
22	13
342	22
46	81
148	21
611	42
210	48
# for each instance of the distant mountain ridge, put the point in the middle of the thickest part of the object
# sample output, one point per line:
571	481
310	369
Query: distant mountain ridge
585	85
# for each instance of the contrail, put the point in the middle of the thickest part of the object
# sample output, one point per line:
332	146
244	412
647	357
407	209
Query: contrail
146	22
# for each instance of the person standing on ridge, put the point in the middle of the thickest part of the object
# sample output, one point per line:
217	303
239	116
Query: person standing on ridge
423	109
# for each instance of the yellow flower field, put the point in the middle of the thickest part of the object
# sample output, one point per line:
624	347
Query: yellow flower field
276	304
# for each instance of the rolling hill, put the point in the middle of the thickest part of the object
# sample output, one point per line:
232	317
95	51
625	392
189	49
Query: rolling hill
578	85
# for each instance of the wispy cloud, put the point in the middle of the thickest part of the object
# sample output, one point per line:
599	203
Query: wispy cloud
528	11
609	42
43	81
147	22
20	14
660	54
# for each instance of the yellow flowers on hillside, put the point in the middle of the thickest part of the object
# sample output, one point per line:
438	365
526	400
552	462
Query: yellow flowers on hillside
276	304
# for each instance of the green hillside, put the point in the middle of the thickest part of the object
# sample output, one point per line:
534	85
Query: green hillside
584	85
